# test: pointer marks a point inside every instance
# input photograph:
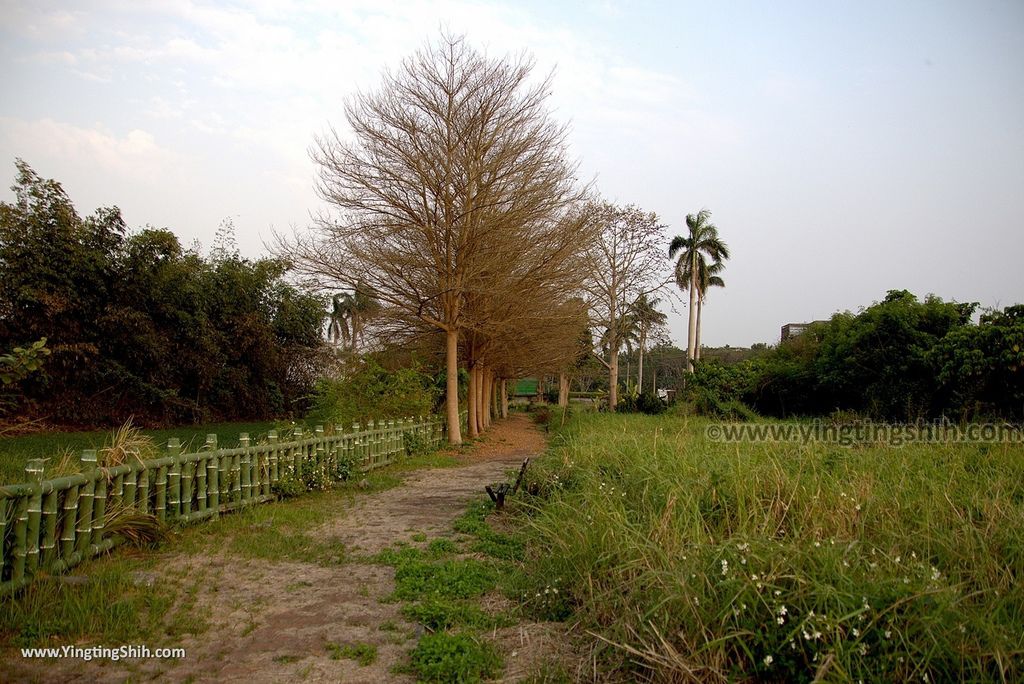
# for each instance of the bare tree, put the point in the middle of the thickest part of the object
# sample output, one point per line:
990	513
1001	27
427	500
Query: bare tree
454	162
626	262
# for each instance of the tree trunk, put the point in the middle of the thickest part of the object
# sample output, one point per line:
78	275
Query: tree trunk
504	398
691	330
474	380
563	389
493	399
488	388
700	306
481	405
613	378
452	386
479	398
640	367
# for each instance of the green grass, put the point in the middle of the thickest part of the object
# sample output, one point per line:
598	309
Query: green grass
110	607
439	613
364	654
717	562
417	578
15	452
442	593
444	657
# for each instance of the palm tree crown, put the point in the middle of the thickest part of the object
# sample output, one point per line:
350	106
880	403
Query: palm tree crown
702	240
349	313
693	272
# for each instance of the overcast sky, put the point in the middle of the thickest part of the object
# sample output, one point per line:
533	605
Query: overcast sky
844	148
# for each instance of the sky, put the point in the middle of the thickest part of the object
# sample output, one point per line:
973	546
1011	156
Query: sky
844	149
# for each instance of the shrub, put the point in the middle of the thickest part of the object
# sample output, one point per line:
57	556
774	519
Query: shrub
650	404
371	392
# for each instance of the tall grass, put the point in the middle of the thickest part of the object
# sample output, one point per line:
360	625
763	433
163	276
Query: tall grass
698	561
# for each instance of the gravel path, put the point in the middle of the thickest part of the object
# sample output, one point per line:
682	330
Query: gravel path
260	633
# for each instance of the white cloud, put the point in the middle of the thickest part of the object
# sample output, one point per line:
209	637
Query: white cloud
135	155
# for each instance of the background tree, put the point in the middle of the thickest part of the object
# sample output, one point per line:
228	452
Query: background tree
708	278
625	261
454	162
350	313
645	312
139	327
701	241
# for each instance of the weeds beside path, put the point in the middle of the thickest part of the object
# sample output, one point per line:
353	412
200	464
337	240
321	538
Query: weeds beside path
318	618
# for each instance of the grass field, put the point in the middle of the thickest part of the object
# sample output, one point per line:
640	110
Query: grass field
16	451
700	561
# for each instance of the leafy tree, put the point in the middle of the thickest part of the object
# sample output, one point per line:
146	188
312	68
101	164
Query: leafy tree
981	367
624	263
644	312
139	326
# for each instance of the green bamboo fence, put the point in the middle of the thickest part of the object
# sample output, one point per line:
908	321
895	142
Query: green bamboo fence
52	525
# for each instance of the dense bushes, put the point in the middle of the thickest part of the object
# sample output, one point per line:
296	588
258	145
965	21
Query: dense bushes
368	391
642	402
899	359
139	326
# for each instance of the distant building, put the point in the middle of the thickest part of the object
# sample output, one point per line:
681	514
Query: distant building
793	329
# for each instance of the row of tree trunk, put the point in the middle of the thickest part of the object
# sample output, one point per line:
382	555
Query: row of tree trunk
488	398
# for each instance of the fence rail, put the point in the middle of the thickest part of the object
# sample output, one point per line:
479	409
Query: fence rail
52	525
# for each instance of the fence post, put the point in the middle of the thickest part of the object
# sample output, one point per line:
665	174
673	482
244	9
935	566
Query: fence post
160	508
20	551
245	467
84	531
142	490
320	451
67	535
274	468
99	509
212	479
298	453
48	551
368	444
188	483
116	494
34	475
174	478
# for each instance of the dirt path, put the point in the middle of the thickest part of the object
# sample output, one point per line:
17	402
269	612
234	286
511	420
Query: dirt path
260	633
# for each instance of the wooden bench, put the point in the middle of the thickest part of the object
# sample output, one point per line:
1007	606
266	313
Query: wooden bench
498	491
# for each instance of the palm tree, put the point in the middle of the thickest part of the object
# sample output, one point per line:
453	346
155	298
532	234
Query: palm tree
363	306
701	241
644	310
337	325
708	278
350	312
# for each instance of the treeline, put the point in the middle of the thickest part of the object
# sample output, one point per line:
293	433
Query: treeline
138	326
899	359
